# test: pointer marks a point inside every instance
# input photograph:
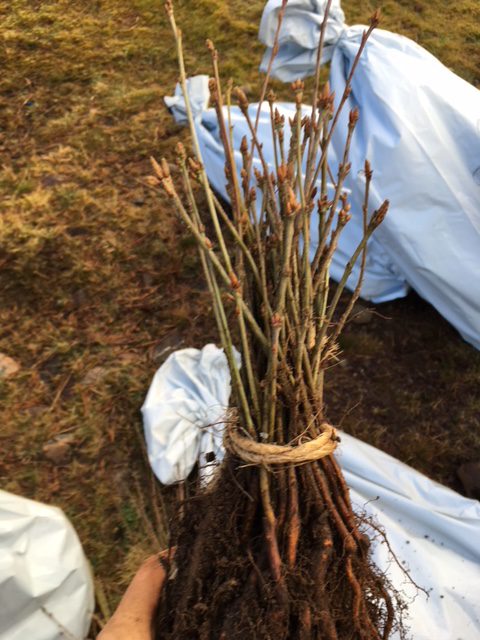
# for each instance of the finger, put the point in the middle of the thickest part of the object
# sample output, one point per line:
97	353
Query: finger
144	591
135	612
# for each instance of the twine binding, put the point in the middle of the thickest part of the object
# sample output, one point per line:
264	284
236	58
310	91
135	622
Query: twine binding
260	453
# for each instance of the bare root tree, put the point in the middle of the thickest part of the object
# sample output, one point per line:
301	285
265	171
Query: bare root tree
272	548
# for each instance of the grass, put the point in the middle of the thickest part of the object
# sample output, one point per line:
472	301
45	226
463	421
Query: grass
96	274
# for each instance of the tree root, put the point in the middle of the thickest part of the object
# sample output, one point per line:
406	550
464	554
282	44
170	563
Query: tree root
257	563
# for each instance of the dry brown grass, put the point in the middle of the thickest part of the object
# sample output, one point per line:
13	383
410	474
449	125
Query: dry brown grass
95	272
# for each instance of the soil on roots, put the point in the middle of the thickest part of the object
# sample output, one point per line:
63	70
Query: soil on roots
226	585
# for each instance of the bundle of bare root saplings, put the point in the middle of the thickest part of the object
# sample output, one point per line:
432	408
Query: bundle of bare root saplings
271	548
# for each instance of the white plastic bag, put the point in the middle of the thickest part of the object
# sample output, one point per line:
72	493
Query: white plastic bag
299	36
430	528
433	532
420	129
46	587
183	413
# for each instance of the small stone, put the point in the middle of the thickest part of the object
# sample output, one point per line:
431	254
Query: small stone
59	451
8	366
469	476
95	376
361	314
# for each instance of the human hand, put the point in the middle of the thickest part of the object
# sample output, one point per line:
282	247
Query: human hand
133	619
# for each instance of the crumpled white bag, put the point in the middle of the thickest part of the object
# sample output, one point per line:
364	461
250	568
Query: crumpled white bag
199	93
420	129
434	531
46	586
183	413
299	36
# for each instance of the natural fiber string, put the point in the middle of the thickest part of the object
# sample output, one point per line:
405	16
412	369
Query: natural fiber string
260	453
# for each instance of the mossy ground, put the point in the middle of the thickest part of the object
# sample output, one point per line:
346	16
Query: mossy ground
95	272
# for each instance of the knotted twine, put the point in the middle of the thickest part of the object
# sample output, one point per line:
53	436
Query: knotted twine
264	454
